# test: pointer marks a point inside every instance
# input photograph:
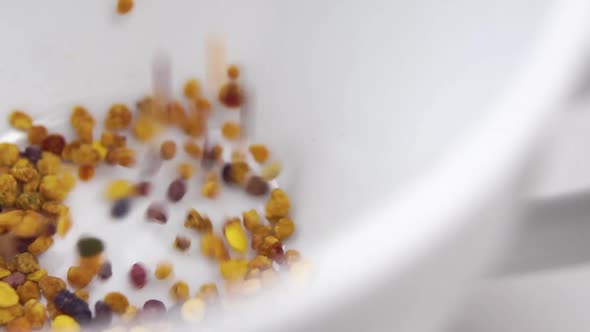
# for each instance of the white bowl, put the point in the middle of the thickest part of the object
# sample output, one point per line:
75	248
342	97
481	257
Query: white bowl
403	126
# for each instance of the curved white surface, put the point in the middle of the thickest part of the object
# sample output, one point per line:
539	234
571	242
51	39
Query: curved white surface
544	302
400	124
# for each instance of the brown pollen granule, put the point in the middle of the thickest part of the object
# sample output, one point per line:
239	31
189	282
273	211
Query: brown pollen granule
37	134
124	6
168	150
182	243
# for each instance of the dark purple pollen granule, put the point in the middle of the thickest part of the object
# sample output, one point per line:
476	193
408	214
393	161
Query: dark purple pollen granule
22	244
226	174
176	190
153	308
105	271
50	229
103	315
32	153
121	208
68	303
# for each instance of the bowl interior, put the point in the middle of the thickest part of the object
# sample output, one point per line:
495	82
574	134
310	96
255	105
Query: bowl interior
355	98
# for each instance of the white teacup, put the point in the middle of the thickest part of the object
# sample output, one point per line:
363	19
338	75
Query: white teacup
403	127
